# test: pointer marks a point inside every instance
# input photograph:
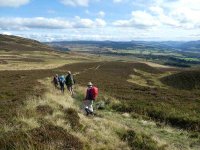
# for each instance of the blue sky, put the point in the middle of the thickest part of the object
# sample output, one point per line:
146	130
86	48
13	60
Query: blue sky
117	20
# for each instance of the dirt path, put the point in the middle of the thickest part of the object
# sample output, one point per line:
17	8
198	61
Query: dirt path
91	68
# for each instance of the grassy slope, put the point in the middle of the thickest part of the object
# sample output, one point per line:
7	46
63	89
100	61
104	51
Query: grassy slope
177	107
29	118
8	42
18	53
32	60
109	130
184	80
51	109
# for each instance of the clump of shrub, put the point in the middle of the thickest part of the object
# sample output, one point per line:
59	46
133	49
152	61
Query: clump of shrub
194	135
44	110
138	116
139	141
45	137
72	116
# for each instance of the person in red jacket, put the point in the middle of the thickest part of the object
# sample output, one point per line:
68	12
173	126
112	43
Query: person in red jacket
89	99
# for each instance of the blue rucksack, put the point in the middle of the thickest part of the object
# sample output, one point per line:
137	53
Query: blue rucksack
61	79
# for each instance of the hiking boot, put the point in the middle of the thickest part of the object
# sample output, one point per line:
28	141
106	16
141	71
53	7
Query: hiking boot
87	111
92	113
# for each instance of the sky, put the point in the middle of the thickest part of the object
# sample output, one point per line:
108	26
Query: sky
99	20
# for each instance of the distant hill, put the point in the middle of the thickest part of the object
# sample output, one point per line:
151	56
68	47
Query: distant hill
192	45
159	45
113	44
184	80
10	42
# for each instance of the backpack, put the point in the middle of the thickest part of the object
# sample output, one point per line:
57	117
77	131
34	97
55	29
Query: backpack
69	80
62	79
55	80
94	92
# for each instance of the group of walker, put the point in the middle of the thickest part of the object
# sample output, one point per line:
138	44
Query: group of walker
68	80
61	81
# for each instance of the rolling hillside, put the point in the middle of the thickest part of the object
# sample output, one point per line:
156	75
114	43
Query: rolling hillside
184	80
156	45
17	53
138	111
10	43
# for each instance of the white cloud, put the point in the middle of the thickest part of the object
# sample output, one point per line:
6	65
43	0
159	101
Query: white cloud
6	33
164	19
144	19
109	33
37	22
156	10
117	1
13	3
122	23
48	23
188	18
174	4
160	13
83	23
178	13
100	22
88	23
139	19
101	14
83	3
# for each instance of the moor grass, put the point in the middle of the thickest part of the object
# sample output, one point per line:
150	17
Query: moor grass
15	87
28	129
45	137
173	106
184	80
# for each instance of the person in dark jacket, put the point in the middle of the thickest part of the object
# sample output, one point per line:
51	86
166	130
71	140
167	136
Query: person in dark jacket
55	81
69	81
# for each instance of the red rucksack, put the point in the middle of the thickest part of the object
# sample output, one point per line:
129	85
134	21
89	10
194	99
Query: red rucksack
95	92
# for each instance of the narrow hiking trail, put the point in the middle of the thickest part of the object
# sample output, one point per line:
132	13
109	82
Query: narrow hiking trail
96	67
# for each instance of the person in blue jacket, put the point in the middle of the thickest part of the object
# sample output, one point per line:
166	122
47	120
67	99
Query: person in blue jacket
61	80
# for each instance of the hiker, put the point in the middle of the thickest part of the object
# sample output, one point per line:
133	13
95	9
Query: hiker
91	95
69	81
61	80
55	81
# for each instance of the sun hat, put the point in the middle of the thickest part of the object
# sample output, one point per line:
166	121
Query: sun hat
89	84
